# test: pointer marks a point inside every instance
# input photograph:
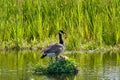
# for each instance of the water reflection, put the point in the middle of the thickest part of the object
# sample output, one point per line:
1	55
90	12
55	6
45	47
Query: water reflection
17	65
58	77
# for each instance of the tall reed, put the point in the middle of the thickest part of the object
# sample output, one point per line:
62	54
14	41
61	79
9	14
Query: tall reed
93	22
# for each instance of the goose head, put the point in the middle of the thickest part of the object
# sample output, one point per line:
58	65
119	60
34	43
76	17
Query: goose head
61	32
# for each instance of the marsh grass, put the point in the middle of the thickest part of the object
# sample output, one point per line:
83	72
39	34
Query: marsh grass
34	23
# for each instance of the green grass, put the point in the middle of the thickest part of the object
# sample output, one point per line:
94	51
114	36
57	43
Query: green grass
34	24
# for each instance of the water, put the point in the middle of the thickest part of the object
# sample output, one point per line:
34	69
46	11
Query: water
17	65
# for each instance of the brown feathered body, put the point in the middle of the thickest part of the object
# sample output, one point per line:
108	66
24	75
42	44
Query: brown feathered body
53	50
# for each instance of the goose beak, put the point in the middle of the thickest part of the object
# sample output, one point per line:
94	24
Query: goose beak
65	36
64	33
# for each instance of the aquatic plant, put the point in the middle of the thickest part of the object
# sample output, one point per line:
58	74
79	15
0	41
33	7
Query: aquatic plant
61	66
57	67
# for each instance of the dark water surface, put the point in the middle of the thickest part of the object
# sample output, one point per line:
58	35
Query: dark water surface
17	65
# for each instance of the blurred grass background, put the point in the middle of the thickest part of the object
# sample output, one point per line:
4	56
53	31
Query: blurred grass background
89	24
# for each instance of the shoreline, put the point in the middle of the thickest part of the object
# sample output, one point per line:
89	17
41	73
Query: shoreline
67	51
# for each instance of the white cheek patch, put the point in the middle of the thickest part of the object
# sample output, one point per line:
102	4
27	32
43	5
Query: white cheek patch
60	32
50	54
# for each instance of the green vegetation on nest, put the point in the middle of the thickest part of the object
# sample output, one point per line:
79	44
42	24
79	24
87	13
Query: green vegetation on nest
57	67
34	23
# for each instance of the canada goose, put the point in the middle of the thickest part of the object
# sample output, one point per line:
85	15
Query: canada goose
55	49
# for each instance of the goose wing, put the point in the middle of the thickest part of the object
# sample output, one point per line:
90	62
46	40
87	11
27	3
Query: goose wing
54	48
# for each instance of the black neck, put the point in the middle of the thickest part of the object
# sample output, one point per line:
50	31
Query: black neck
60	39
